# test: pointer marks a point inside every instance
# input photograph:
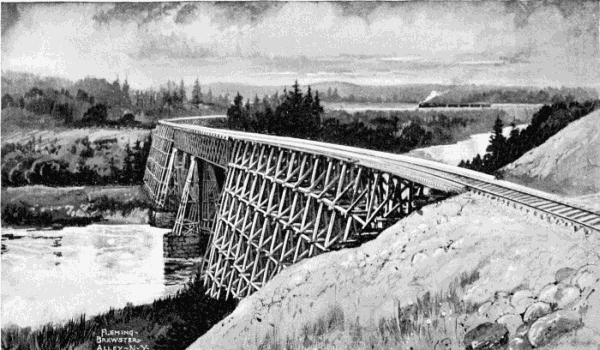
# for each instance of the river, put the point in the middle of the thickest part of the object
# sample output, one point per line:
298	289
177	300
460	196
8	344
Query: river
51	276
462	150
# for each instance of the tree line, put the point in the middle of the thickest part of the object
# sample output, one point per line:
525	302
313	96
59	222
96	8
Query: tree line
96	102
461	95
81	163
300	114
545	123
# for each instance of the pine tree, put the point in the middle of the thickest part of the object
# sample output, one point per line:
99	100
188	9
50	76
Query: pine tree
235	113
316	110
335	96
182	93
209	96
196	93
126	97
497	146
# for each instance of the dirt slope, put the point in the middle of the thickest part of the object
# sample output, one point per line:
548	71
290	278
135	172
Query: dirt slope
507	249
568	163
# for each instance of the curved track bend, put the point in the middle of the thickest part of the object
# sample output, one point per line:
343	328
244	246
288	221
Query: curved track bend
434	174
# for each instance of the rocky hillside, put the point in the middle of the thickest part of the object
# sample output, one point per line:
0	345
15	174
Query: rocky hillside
568	163
467	272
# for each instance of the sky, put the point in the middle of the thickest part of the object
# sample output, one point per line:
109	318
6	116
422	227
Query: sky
539	43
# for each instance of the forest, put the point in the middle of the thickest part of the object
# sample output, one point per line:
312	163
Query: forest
298	114
96	102
549	120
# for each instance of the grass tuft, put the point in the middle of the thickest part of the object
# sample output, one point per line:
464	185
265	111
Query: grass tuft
416	326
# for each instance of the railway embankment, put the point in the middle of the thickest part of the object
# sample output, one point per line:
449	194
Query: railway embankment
468	272
568	163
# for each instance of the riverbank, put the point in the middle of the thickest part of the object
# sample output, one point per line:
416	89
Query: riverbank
55	207
464	150
168	323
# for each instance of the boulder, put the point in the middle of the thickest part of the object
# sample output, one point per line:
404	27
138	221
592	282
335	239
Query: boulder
521	300
519	343
500	307
547	293
511	322
565	274
586	276
522	330
566	295
552	326
536	310
467	322
487	336
559	294
483	309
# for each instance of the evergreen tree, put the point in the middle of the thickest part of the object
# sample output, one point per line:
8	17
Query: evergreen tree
196	93
497	146
335	96
317	109
126	96
182	93
235	114
209	96
115	173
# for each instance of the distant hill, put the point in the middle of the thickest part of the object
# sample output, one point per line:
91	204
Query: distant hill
568	163
18	83
415	93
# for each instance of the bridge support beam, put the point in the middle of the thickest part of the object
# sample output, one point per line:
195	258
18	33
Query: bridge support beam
196	209
280	206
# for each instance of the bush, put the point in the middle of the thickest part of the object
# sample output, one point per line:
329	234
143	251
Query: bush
23	215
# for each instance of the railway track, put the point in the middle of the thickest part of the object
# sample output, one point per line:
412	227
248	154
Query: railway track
540	203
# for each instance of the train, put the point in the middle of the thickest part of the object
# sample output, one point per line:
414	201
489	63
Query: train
453	105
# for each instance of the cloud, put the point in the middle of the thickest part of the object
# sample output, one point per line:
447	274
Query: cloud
140	38
10	16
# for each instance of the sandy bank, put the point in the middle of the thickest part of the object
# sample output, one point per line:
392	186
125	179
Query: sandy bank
510	250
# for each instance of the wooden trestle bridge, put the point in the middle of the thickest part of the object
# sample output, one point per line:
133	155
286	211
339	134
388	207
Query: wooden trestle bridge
267	202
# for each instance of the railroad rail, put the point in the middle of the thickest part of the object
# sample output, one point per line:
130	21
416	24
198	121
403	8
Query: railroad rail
451	177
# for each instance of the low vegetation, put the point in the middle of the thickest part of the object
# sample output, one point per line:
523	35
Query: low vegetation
418	326
82	162
548	121
169	323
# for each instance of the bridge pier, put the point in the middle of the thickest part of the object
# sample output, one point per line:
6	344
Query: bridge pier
185	199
